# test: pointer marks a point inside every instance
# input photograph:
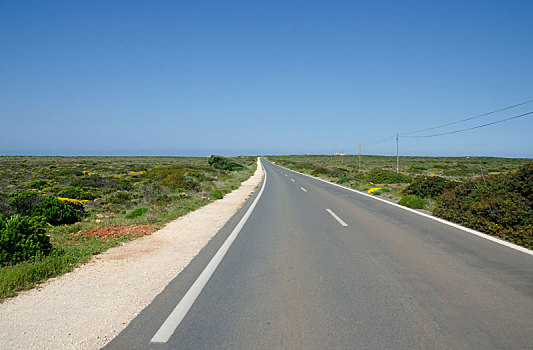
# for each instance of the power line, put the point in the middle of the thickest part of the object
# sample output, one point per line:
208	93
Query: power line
472	128
379	141
463	120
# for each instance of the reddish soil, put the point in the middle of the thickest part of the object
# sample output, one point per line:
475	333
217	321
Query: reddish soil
115	231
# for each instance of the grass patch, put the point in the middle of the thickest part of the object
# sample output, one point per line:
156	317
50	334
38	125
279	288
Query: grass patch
26	275
413	202
216	194
136	213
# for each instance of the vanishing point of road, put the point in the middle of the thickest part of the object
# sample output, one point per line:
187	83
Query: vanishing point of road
317	266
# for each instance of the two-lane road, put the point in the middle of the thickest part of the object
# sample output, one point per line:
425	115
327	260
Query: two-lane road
317	266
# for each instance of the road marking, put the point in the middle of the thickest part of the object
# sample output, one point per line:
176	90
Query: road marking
292	180
449	223
303	189
285	174
336	217
174	319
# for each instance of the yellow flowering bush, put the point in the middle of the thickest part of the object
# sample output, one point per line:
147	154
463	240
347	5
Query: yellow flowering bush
72	200
374	189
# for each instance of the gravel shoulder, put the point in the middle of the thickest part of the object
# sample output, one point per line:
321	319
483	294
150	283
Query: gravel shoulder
88	307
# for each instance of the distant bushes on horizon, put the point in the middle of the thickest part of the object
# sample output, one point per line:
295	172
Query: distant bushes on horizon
223	163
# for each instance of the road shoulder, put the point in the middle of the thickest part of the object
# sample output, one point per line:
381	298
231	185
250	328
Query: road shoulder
88	307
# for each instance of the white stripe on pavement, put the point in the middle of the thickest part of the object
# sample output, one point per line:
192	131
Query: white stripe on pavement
336	217
449	223
303	189
174	319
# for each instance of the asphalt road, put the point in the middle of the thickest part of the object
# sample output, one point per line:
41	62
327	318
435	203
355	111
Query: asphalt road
363	275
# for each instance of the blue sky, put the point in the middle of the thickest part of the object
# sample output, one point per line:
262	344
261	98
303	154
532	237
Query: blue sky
270	77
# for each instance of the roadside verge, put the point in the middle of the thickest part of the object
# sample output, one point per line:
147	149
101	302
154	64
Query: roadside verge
88	307
449	223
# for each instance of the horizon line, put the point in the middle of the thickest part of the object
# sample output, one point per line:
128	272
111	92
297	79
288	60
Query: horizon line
258	155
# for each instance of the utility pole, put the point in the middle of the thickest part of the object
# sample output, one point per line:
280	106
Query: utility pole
359	157
397	155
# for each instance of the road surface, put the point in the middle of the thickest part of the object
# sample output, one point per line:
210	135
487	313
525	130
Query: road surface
316	266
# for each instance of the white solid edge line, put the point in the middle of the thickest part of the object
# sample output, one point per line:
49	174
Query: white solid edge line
336	217
303	189
449	223
174	319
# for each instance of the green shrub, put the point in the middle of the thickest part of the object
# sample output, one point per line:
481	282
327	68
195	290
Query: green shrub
161	199
429	187
149	191
216	194
416	168
413	202
136	213
201	177
119	197
440	166
23	203
40	184
76	193
500	205
22	238
301	165
179	181
359	175
5	209
176	177
57	212
321	171
96	181
160	173
343	179
381	176
69	172
224	163
461	170
339	173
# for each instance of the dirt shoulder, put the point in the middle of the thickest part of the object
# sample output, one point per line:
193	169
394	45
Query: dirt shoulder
88	307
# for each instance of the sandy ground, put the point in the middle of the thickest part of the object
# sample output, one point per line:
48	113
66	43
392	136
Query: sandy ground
88	307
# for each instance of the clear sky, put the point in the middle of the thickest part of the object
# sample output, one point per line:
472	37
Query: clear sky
263	77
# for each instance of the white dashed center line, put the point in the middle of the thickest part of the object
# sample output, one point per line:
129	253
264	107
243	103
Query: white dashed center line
337	218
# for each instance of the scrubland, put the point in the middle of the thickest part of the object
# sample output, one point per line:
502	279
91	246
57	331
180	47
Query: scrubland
56	212
491	195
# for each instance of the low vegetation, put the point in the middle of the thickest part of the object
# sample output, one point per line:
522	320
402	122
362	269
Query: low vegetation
223	163
22	238
47	204
382	176
492	195
500	205
429	186
413	202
